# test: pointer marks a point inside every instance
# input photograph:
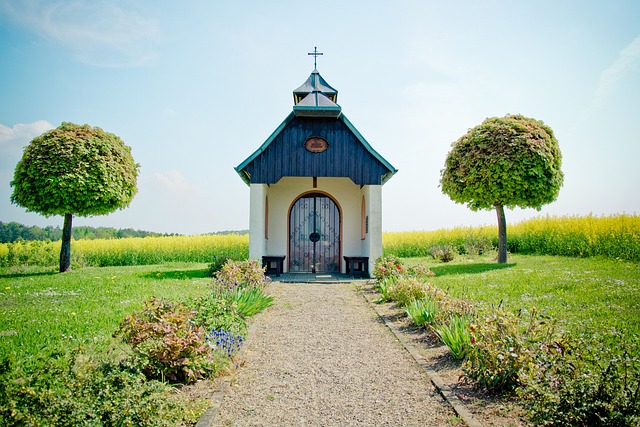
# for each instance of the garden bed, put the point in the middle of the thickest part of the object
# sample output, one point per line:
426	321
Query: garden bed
488	409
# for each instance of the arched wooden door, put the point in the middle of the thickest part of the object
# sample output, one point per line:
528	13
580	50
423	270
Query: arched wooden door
314	234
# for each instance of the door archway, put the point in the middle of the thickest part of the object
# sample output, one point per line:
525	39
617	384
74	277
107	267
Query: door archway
314	234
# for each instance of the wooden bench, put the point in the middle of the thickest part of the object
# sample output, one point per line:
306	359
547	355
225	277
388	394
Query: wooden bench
273	264
357	265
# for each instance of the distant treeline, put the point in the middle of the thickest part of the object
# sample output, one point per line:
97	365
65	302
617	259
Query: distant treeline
13	231
227	232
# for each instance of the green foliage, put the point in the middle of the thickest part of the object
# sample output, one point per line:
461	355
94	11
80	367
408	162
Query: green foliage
387	266
29	253
71	389
407	289
13	231
455	335
442	253
166	344
216	311
226	309
503	348
423	311
419	271
216	265
80	170
250	301
45	312
509	161
237	293
577	382
233	274
383	286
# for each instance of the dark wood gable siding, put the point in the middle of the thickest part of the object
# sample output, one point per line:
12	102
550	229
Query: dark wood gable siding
287	156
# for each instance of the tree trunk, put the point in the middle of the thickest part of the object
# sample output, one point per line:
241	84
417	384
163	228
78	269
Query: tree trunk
502	235
65	249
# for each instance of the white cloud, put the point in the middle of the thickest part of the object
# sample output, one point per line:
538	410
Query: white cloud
627	62
99	33
174	181
13	139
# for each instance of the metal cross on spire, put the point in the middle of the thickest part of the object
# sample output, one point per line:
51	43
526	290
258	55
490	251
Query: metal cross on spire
315	55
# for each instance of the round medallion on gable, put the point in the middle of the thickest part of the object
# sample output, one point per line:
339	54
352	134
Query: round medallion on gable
315	144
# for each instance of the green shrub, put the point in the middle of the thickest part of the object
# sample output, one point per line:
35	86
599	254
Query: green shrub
455	335
166	344
419	271
387	266
214	312
70	389
443	253
477	248
579	383
250	301
237	293
503	347
216	265
240	274
407	289
383	286
422	311
450	306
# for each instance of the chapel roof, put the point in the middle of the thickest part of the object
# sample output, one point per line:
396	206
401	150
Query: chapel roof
316	114
316	98
315	83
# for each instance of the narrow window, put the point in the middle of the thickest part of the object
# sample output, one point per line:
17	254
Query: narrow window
363	220
266	218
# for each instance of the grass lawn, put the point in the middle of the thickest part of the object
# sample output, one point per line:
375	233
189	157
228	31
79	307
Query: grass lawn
599	295
42	310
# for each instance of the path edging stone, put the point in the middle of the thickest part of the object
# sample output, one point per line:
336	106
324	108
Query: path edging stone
444	390
207	419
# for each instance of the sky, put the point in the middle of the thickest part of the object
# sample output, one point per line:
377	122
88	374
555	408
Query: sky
196	87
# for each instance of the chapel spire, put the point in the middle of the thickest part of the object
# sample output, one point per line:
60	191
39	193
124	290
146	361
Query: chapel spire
315	97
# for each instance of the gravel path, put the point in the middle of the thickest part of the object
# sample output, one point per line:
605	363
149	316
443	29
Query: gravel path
321	357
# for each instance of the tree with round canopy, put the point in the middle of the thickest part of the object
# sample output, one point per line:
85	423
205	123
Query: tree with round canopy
505	161
75	170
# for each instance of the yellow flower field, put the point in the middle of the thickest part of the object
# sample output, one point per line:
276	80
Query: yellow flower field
616	236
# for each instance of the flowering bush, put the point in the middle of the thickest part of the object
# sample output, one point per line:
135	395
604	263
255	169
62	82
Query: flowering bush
224	341
387	266
238	293
503	348
407	289
165	342
233	274
420	270
575	382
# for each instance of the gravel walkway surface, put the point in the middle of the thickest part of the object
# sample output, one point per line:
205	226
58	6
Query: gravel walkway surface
321	357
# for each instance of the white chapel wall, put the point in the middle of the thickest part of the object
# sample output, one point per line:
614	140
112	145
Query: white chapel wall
257	201
282	195
372	244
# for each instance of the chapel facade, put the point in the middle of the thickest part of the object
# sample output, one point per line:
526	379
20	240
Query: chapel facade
316	190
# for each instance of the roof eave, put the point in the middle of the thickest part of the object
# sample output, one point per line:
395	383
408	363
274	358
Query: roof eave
320	111
240	168
392	171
